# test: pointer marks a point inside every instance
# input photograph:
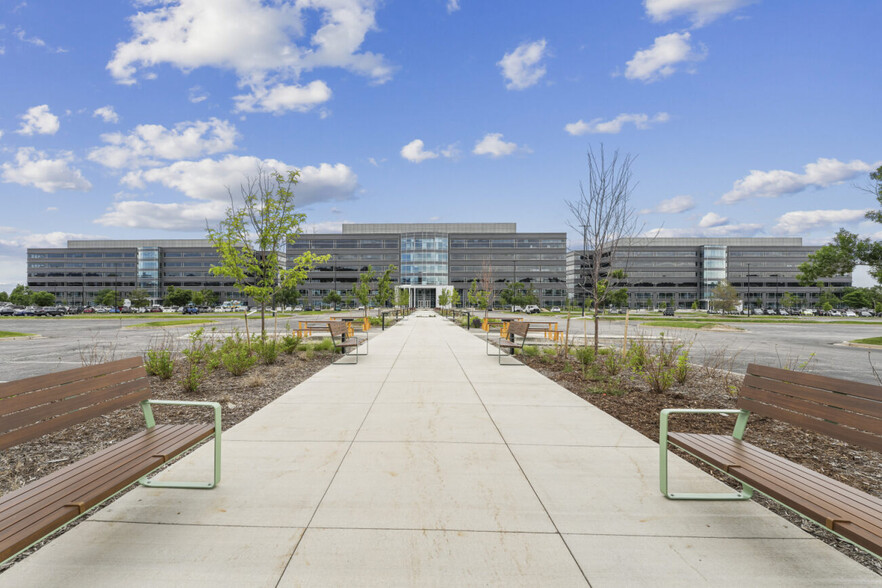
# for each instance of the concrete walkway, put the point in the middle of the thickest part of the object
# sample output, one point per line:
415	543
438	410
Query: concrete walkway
428	464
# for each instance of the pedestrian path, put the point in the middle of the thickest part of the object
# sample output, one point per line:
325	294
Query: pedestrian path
427	464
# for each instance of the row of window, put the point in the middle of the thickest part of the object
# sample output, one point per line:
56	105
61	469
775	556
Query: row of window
324	244
495	256
508	269
508	243
80	255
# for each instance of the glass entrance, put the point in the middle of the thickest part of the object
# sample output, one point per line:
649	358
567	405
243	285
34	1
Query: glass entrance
424	297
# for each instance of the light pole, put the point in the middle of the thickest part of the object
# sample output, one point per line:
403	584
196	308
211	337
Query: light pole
334	261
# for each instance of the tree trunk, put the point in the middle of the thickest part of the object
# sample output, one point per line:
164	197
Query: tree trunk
596	330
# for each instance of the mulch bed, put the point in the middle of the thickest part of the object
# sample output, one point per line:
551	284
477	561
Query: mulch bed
631	401
239	397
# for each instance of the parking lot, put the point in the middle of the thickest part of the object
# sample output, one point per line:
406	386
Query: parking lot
64	343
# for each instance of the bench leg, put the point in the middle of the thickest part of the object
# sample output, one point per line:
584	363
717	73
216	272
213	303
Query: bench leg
746	491
148	416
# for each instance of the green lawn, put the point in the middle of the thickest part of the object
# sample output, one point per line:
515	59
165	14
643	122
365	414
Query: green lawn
12	334
679	324
173	323
869	341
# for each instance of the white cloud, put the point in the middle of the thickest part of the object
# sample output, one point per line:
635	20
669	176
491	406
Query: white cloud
206	181
281	98
107	114
598	125
712	219
38	120
324	227
772	184
521	67
726	230
264	43
493	145
196	95
415	152
700	12
452	6
34	168
51	209
20	239
147	144
673	205
662	59
800	221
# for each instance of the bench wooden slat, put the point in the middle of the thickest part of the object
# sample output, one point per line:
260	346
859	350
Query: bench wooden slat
70	480
43	412
39	429
31	519
826	427
868	391
43	396
14	388
816	496
825	397
799	406
778	471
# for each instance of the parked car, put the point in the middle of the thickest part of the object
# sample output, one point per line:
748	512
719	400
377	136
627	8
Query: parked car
7	311
866	313
555	309
26	311
850	313
189	309
531	309
669	311
835	313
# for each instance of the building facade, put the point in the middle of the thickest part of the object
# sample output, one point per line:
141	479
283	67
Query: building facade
430	257
681	272
74	274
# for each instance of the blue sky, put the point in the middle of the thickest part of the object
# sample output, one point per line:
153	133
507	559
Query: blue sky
130	119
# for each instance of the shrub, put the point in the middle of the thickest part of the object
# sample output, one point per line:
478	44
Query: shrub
530	350
612	363
659	368
197	352
682	369
476	322
290	343
266	349
235	355
585	355
159	362
637	353
324	345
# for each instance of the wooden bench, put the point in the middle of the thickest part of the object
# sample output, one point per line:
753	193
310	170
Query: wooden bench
847	411
347	340
34	407
515	329
549	329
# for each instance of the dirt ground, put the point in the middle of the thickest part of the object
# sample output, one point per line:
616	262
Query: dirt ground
631	401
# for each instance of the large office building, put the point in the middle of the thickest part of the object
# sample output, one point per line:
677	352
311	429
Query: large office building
74	274
681	271
430	257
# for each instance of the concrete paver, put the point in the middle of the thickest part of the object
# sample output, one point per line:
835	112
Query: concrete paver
429	464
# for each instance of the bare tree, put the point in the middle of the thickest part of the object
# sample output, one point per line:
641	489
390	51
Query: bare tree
487	294
604	217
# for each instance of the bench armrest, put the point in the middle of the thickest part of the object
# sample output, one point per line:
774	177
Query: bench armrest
147	408
741	423
151	422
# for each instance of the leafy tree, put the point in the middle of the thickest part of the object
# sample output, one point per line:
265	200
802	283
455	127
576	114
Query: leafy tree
43	298
789	300
518	294
106	297
472	294
403	297
332	298
604	217
618	297
857	298
288	295
385	289
362	289
444	298
204	297
455	299
848	249
724	297
829	298
252	238
139	298
21	295
177	297
4	297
